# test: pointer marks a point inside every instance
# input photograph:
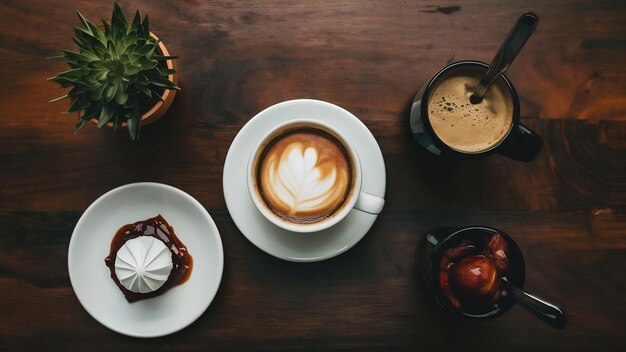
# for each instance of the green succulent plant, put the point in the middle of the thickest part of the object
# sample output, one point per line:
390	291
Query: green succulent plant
117	74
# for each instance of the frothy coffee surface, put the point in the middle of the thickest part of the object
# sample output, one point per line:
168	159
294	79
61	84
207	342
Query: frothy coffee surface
304	175
464	126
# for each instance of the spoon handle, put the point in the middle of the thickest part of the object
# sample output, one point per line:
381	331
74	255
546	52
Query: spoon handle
544	310
522	30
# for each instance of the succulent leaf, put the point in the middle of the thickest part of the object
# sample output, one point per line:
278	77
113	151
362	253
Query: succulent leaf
121	97
109	92
117	72
167	72
134	124
106	114
77	105
144	89
79	125
90	112
163	82
164	58
117	19
116	123
136	19
146	25
82	18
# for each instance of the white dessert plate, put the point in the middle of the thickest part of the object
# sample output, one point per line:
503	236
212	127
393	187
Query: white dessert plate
279	242
90	244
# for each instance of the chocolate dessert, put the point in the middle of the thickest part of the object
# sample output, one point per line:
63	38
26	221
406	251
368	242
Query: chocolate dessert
139	261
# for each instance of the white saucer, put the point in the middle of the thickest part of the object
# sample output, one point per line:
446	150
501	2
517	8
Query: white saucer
91	278
274	240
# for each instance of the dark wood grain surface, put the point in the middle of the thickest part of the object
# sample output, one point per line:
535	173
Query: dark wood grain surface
566	209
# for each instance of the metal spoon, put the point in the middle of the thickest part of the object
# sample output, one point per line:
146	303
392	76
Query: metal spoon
544	310
509	49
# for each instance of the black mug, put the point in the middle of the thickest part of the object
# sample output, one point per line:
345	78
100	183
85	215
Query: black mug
519	142
439	240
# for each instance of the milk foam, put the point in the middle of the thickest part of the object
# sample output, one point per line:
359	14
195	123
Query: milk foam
465	126
298	183
304	176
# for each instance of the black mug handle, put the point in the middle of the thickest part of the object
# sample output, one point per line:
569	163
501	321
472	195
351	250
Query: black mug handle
522	144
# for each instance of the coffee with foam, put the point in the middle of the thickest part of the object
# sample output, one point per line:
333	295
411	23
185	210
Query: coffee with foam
467	127
304	174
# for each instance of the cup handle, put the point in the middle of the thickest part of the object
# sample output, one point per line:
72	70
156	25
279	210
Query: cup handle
523	145
369	203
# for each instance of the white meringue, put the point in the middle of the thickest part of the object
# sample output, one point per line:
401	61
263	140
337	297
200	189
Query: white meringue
143	264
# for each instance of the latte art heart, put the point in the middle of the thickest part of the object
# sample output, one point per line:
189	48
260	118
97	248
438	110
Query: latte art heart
305	176
298	182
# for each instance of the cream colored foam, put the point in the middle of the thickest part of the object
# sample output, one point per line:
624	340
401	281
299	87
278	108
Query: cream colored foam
304	176
465	126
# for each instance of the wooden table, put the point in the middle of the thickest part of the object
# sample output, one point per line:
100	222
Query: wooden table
566	209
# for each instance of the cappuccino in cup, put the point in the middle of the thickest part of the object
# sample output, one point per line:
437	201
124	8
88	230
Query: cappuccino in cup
305	177
304	174
467	127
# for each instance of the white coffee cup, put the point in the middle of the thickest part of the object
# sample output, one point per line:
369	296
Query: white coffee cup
357	199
